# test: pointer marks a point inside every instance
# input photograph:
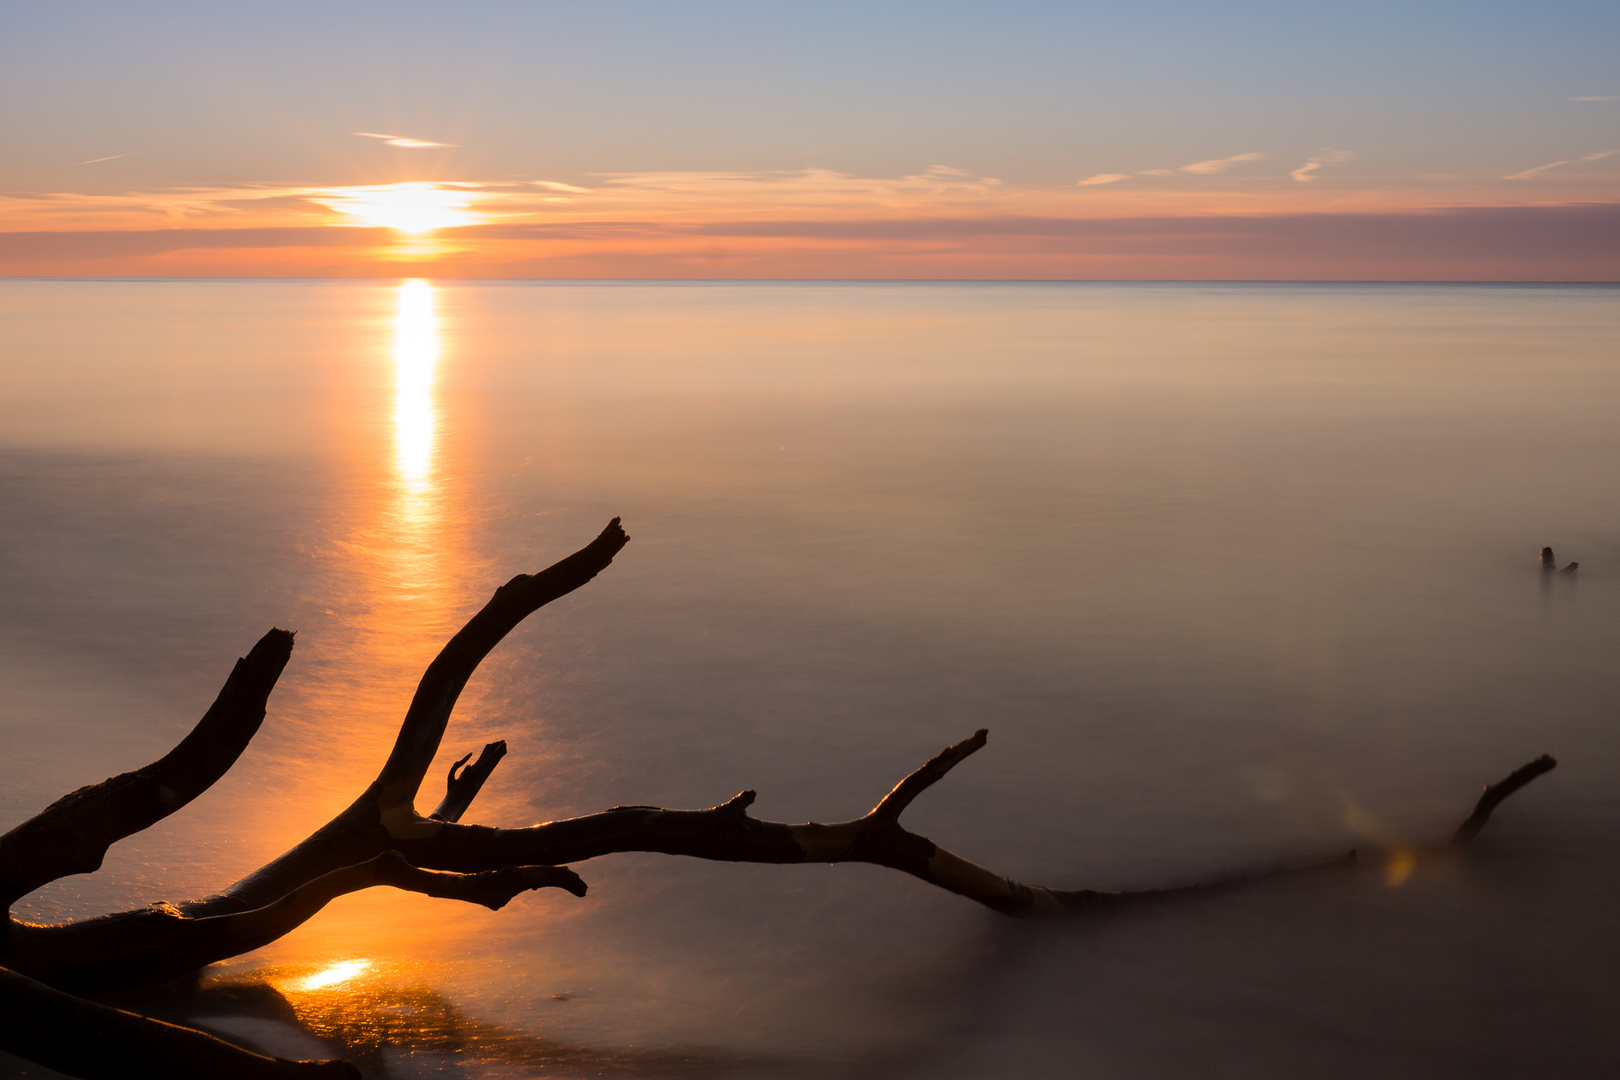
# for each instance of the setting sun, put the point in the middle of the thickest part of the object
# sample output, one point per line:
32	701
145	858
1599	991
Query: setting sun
415	208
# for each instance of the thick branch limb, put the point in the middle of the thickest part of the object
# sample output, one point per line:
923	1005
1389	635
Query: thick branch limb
161	941
229	935
1495	793
460	791
442	683
73	834
98	1042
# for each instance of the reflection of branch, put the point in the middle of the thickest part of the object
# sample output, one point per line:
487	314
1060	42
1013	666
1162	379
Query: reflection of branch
98	1042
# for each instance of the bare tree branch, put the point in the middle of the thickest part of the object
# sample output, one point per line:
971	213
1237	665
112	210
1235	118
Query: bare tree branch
895	802
396	786
461	790
72	835
380	839
1495	793
161	941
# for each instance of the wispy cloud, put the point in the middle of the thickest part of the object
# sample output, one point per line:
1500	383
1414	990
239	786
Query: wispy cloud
1539	169
1307	172
1197	168
403	141
1598	97
1218	165
98	160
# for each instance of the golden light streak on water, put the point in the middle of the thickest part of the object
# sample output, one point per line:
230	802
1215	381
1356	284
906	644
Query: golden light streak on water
416	363
337	974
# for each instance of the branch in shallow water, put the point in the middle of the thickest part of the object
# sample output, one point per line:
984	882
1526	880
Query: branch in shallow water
380	839
1495	793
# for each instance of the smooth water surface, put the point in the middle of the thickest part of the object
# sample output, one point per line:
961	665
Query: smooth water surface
1236	575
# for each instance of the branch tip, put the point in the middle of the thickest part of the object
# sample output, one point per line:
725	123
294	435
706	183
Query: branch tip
888	811
1495	793
460	791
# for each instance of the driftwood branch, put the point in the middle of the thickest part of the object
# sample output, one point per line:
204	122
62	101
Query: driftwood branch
72	835
396	786
381	839
461	790
1495	793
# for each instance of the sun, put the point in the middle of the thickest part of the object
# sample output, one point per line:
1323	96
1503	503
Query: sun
415	208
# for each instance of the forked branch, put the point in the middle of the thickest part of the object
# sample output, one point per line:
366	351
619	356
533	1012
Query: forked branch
463	785
442	683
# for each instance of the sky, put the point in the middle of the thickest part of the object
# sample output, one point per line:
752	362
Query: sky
1162	139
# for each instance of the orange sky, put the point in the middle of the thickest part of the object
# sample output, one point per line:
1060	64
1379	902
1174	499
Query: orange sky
1389	139
1216	219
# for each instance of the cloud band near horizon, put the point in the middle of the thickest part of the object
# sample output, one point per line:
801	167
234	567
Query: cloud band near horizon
1579	242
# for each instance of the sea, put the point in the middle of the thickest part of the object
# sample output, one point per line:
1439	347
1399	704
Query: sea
1238	576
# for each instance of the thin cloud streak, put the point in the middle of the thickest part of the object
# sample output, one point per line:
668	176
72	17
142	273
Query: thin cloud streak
1539	169
1305	174
1598	97
404	141
1197	168
98	160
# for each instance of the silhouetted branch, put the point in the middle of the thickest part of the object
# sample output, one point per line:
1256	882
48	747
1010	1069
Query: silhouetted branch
442	683
72	835
1495	793
895	802
162	941
461	790
380	839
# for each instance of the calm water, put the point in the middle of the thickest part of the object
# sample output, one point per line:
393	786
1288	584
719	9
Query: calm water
1234	575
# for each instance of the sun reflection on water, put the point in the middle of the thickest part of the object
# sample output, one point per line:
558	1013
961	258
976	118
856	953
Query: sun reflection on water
337	974
416	363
